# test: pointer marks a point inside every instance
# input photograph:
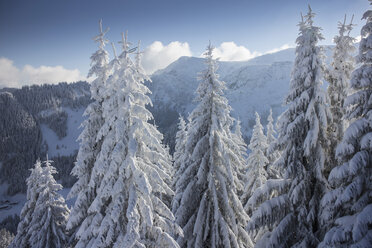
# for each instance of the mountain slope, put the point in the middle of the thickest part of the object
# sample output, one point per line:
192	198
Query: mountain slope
29	119
45	119
251	86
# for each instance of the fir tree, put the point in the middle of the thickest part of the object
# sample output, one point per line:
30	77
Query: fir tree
22	239
6	238
48	224
290	206
351	201
44	216
128	210
210	212
257	161
90	145
241	151
271	153
181	137
338	77
179	157
270	131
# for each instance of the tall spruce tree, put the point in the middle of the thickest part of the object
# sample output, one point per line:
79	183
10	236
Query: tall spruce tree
256	174
241	151
290	206
6	238
351	199
128	210
90	145
210	212
48	224
22	239
338	77
44	216
179	150
271	153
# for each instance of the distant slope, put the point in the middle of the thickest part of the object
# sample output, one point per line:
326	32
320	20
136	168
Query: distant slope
44	119
33	122
255	85
258	84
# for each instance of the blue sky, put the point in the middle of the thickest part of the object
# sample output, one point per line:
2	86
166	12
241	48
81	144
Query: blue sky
54	33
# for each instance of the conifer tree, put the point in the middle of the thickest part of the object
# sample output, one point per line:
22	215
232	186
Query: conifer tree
351	201
210	212
338	77
179	152
90	145
44	216
290	206
179	157
128	210
256	174
6	238
48	225
22	239
271	153
241	151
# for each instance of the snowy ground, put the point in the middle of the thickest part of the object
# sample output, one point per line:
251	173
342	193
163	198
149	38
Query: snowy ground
67	145
10	205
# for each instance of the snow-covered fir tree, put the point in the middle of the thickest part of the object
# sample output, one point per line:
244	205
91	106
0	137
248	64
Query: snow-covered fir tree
44	216
22	239
338	77
179	150
48	225
256	174
6	238
241	151
85	188
290	206
132	167
351	199
210	211
272	154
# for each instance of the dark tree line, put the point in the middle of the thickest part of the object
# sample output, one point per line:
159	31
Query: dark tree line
21	113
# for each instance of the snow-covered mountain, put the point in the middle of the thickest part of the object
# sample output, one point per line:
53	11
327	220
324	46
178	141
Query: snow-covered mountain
55	111
39	120
254	85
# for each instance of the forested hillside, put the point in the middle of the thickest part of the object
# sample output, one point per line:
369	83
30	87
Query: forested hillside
23	111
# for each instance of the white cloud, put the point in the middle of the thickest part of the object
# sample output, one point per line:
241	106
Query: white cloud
11	76
285	46
229	51
157	56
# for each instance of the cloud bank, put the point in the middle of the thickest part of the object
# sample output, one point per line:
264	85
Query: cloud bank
229	51
158	56
12	76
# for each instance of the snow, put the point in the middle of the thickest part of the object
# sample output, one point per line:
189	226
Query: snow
206	198
68	145
248	86
17	201
10	205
